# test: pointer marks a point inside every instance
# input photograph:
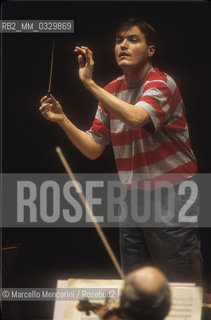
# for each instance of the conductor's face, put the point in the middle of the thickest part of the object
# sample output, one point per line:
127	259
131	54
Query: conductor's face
131	49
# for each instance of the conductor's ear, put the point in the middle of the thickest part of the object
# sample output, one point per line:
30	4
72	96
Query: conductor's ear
151	51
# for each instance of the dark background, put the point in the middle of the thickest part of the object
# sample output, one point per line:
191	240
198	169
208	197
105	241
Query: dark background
29	140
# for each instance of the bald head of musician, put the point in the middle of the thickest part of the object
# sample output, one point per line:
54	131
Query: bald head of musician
146	295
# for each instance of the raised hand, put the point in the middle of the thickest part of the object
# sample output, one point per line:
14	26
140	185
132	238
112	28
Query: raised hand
51	109
85	67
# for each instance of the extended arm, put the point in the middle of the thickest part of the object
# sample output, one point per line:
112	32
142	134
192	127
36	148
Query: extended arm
52	110
131	115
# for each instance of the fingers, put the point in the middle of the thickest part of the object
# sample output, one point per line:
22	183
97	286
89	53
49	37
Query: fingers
48	99
81	49
45	107
43	99
47	104
80	61
86	52
53	99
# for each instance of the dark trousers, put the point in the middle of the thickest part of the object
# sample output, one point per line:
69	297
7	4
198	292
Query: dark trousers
172	247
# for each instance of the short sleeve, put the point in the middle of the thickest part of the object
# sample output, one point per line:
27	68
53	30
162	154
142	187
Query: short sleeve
156	100
100	129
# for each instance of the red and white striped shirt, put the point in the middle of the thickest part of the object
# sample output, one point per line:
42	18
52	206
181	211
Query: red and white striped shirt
139	151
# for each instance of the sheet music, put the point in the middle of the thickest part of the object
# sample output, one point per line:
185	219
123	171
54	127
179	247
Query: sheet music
186	299
186	303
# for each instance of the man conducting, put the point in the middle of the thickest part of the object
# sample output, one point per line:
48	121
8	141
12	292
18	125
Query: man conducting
142	114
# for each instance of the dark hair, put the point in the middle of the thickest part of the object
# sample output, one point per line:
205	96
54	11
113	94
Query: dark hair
137	304
144	27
